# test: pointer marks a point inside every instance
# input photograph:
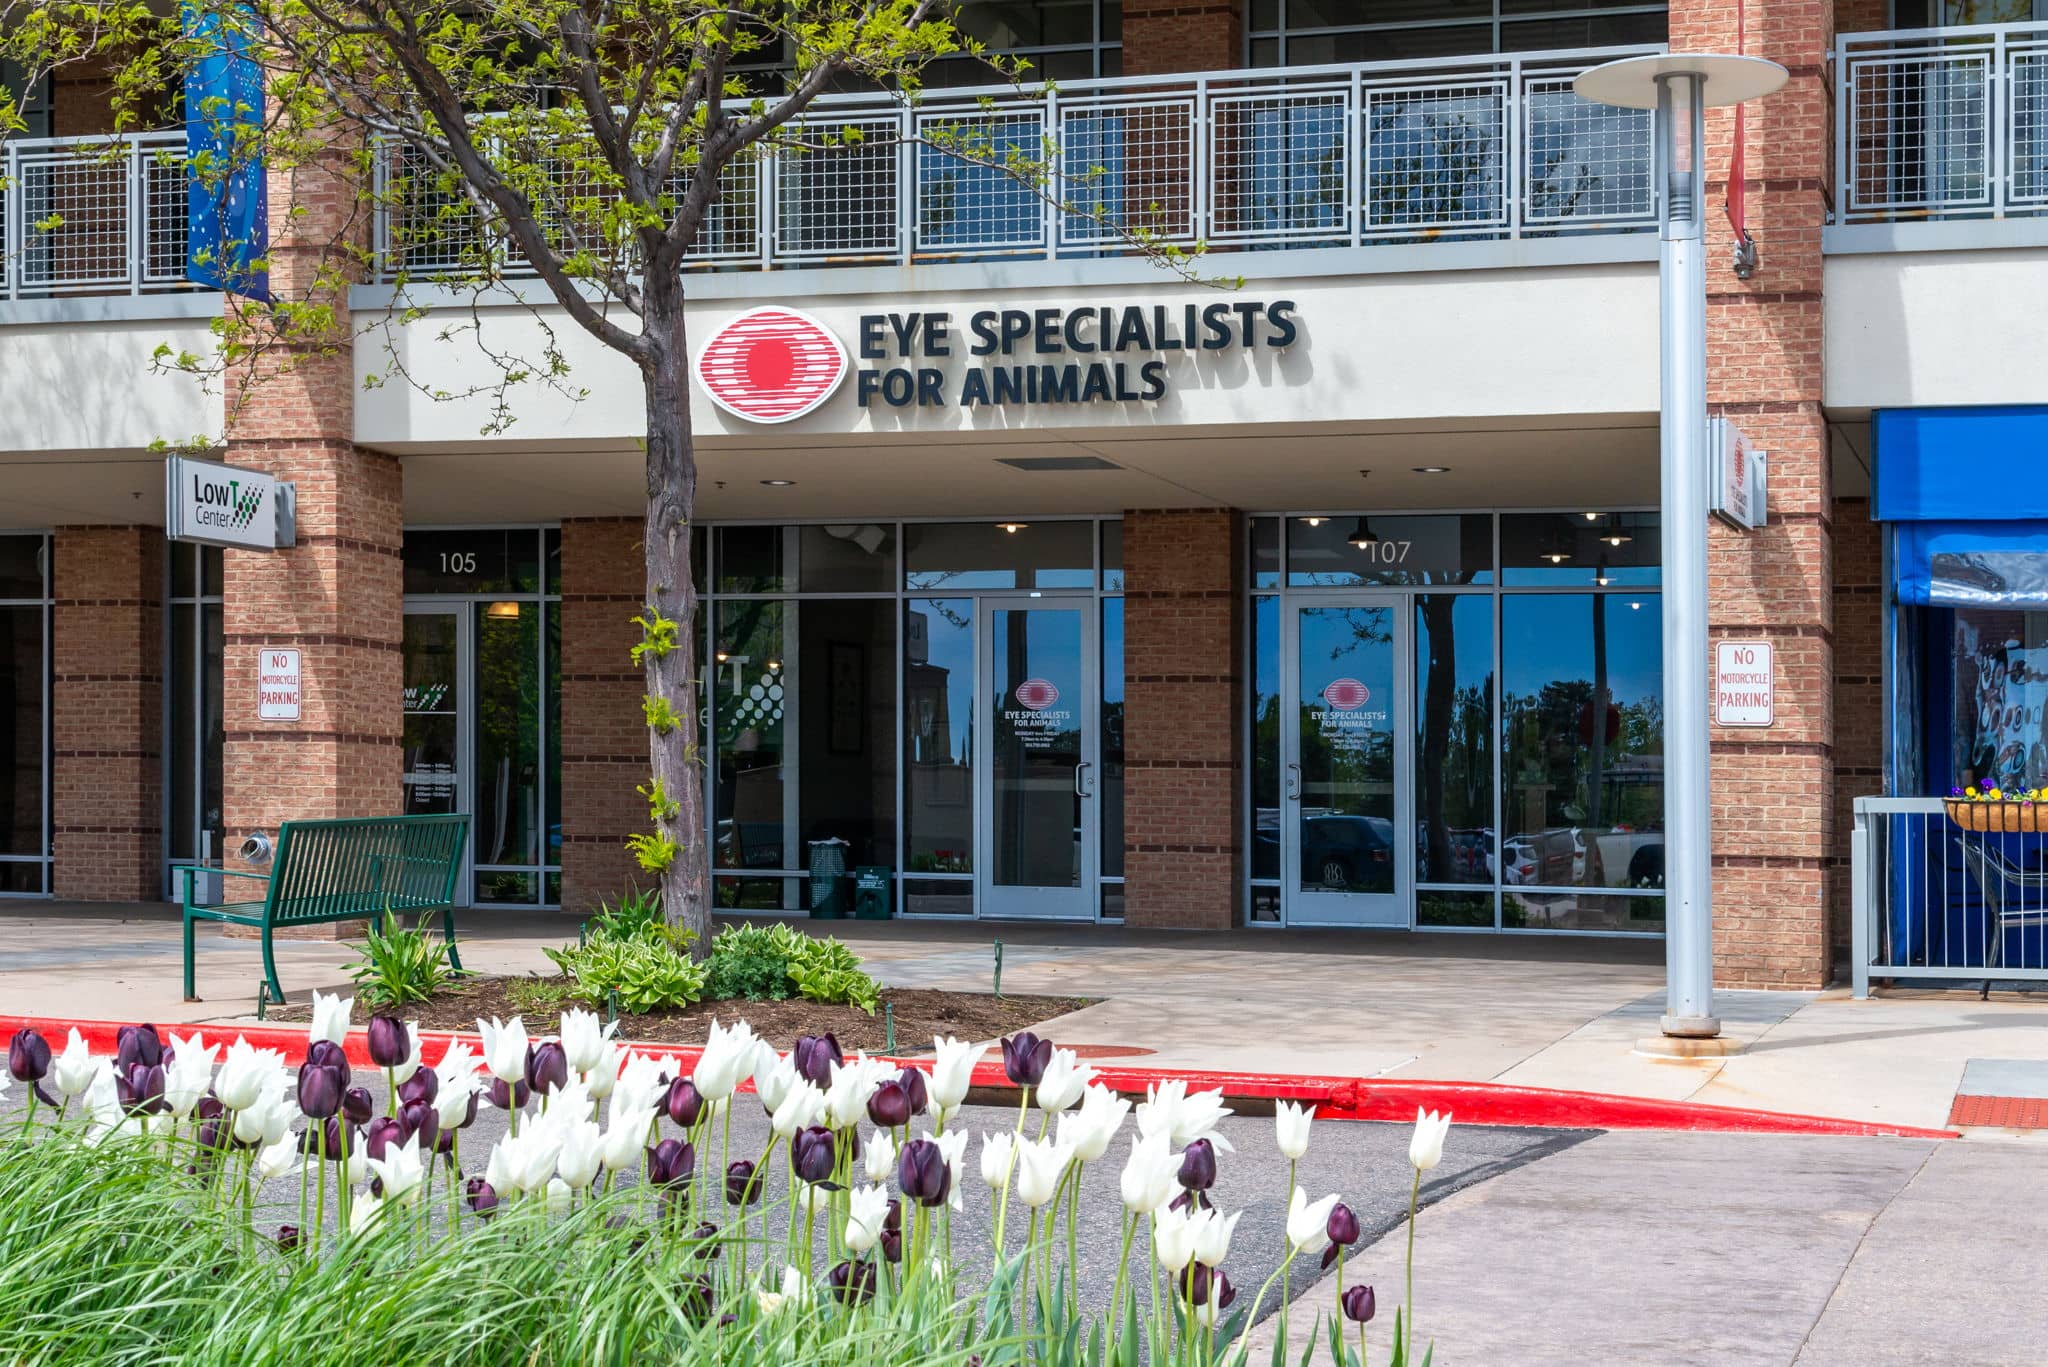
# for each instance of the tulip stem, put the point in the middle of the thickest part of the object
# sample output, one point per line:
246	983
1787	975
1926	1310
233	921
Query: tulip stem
320	1206
1363	1360
1408	1323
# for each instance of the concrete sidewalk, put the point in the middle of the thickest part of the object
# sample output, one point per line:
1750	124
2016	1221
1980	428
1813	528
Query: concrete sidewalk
1562	1012
1667	1250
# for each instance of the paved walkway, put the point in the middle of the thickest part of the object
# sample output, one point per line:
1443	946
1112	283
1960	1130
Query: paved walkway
1543	1012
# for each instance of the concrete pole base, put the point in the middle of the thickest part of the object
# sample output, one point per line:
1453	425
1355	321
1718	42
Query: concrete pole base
1689	1027
1683	1047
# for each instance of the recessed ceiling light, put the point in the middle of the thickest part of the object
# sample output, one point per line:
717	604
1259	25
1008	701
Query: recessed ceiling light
1013	527
1432	469
778	483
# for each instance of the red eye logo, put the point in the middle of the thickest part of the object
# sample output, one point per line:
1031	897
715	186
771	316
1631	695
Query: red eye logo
1037	694
771	365
1346	695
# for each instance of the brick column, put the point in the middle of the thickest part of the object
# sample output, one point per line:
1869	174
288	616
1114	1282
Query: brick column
1772	789
1161	37
106	714
1183	718
604	738
338	595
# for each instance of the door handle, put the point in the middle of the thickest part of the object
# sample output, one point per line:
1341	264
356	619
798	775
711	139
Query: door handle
1293	793
1080	780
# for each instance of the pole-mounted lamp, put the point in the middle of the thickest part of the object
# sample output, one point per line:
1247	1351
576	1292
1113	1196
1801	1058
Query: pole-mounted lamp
1681	87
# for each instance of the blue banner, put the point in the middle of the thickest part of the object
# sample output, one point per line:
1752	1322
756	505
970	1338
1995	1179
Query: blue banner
1960	464
228	200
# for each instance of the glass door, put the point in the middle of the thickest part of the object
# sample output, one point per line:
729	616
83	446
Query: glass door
1345	860
436	738
1039	763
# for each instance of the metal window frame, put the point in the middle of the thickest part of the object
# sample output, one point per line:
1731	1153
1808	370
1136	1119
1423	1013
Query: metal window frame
47	602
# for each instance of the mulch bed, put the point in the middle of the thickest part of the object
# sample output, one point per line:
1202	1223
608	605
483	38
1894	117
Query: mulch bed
919	1016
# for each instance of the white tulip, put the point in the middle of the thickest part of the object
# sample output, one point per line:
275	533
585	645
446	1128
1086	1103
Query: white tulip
330	1017
1063	1081
603	1075
268	1120
570	1101
640	1086
792	1293
400	1171
1152	1175
584	1038
187	1074
414	1051
524	1161
853	1082
357	1169
729	1055
879	1157
1040	1166
802	1108
1212	1237
952	1148
998	1151
1095	1124
1169	1110
953	1066
626	1139
247	1074
581	1153
1308	1226
774	1075
72	1071
1173	1239
504	1047
278	1159
366	1216
868	1207
458	1082
559	1197
1290	1127
1426	1149
102	1097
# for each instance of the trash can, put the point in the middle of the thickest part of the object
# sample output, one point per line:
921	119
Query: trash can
871	893
828	879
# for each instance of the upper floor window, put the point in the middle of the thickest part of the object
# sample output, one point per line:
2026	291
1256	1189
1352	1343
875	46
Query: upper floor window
1309	32
1060	40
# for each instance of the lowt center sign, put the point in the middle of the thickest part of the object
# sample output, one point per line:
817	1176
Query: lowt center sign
220	505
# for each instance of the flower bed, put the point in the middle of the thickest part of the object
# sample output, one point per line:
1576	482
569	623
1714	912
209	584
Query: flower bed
132	1191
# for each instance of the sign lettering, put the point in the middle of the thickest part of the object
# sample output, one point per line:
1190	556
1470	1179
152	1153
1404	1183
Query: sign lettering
1745	683
278	687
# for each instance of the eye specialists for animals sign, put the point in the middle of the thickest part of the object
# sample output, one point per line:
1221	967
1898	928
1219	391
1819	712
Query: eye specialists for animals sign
220	505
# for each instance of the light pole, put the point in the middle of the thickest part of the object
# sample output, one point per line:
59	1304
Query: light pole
1680	88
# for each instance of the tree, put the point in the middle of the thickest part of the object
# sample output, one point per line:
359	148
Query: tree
585	142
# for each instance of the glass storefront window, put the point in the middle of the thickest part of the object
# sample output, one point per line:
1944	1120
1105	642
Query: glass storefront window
1454	739
1110	791
756	559
1999	687
1113	557
197	740
984	555
21	731
1335	552
938	735
1582	757
1265	775
747	707
846	728
472	560
23	560
1580	550
506	826
1265	552
854	557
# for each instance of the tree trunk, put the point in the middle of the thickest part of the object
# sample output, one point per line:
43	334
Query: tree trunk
674	757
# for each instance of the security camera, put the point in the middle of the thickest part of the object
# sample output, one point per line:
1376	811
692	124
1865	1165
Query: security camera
255	848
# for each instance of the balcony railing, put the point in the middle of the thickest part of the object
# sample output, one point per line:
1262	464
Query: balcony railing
1942	123
1461	148
99	215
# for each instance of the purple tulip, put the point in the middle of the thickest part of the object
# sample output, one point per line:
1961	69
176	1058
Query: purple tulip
320	1089
383	1134
214	1135
140	1088
327	1054
1198	1166
812	1154
468	1114
1358	1303
685	1104
892	1246
912	1080
421	1122
483	1199
852	1283
889	1107
357	1106
423	1085
693	1294
1188	1200
288	1238
547	1067
671	1163
815	1056
1200	1282
135	1044
742	1184
1342	1229
510	1096
922	1174
390	1044
708	1246
335	1137
892	1217
1025	1056
28	1056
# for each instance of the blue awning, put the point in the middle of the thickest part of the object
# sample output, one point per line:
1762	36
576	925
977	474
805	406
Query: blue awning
1971	564
1960	464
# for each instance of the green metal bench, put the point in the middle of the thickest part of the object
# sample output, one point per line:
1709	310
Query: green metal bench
348	869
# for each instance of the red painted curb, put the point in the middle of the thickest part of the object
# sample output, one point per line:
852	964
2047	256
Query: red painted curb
1335	1098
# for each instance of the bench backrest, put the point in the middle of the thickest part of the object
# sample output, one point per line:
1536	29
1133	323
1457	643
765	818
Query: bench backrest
356	867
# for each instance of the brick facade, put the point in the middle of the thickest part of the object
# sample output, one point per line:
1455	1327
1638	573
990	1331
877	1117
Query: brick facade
604	738
1165	36
106	713
1183	717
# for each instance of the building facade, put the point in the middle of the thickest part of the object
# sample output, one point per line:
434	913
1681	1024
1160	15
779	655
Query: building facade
1052	583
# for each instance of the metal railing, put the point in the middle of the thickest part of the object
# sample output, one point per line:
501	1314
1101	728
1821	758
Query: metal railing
95	215
1942	123
1460	148
1932	900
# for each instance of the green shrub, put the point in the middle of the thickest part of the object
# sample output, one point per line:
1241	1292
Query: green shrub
633	912
397	967
774	962
647	970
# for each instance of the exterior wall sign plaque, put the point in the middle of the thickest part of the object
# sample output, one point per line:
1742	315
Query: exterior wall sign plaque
1745	683
1740	486
220	505
277	685
771	365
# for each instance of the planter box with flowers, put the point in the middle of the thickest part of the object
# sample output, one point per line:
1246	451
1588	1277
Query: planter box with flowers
1988	808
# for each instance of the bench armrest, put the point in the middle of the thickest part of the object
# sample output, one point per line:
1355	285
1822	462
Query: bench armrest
189	869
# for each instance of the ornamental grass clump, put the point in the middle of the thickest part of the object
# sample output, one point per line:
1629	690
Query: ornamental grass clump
171	1209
